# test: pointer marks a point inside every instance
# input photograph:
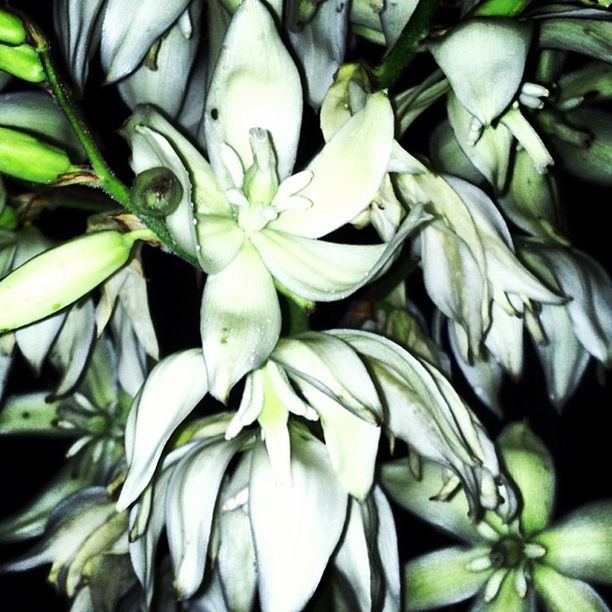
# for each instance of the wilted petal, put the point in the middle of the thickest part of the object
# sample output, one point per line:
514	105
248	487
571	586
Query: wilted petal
461	57
240	320
296	525
255	85
190	504
171	392
442	578
347	173
580	545
130	29
562	593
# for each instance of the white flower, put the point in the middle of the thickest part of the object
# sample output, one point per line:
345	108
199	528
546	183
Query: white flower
252	225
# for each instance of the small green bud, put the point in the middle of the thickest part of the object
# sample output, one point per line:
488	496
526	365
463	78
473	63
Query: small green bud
156	192
12	30
23	62
31	159
58	277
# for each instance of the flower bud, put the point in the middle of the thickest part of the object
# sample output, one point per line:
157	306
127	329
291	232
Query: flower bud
12	30
31	159
157	192
22	61
56	278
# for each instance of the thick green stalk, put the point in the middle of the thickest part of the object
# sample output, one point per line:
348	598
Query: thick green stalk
405	48
114	187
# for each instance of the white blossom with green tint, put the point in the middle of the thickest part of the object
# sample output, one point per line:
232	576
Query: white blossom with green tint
507	566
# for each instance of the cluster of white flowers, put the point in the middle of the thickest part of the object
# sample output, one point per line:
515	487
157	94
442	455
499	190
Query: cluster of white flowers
282	498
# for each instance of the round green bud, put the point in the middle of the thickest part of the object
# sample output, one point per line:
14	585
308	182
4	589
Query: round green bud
156	192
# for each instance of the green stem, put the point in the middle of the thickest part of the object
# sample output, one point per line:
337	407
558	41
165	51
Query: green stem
115	188
405	49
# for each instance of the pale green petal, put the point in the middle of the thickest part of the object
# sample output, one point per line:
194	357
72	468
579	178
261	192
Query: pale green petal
481	51
326	271
219	241
580	545
352	443
129	29
190	504
442	578
240	320
415	494
333	367
251	404
255	85
346	173
171	392
561	593
35	340
531	468
573	33
296	526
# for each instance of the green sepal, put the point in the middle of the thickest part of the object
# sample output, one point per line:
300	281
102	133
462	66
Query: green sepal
500	8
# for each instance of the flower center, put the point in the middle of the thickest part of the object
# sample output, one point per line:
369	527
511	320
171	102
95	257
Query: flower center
507	552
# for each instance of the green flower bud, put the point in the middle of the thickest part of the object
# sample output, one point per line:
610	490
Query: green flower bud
157	192
12	30
23	62
56	278
31	159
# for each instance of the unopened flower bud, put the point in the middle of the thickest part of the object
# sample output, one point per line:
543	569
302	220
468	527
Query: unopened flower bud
157	192
28	158
12	30
22	61
56	278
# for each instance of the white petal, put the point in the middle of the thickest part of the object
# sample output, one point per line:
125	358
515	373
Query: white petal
352	443
171	392
334	368
251	404
190	504
255	85
481	51
295	526
240	320
129	29
346	173
319	44
219	241
326	271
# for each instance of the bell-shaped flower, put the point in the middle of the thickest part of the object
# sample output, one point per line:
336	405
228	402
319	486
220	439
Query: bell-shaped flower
250	223
467	256
567	335
505	566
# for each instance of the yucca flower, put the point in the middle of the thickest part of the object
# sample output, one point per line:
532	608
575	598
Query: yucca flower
507	566
252	225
